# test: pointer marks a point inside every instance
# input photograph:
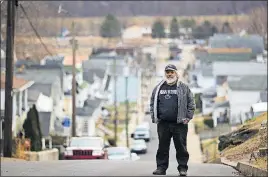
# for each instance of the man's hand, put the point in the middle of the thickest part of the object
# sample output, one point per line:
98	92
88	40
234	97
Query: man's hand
186	121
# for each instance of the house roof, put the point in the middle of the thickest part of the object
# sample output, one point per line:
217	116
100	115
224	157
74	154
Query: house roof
255	42
68	60
17	82
42	74
44	120
248	83
88	75
45	89
103	64
225	104
89	107
239	68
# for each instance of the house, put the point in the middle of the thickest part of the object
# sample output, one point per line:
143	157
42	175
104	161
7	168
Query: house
254	42
227	54
258	108
47	91
87	116
242	93
219	110
207	98
222	70
125	51
20	101
205	78
133	32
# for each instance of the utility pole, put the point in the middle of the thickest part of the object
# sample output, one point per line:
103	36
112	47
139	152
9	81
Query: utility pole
127	106
74	48
115	103
9	77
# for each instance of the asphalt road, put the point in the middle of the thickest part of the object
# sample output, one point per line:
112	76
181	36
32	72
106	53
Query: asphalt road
153	145
142	167
104	168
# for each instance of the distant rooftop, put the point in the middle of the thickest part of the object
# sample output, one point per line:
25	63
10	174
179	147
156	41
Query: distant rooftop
89	107
239	68
248	83
17	82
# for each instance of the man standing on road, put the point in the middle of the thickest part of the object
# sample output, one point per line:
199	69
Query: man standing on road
172	107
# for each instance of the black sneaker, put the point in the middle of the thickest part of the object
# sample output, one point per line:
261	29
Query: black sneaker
183	173
159	172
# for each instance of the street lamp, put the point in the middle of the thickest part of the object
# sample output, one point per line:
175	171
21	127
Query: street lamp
126	75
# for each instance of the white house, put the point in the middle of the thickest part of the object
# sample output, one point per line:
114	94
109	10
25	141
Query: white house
205	78
133	32
242	93
207	98
221	70
20	101
87	116
219	109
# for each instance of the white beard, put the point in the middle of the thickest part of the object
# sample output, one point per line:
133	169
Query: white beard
171	80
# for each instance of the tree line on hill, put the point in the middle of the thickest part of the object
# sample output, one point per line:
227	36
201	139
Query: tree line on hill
111	28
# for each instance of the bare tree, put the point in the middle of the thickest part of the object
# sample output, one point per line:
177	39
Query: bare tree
258	21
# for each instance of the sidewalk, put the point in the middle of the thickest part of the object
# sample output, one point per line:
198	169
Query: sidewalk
193	145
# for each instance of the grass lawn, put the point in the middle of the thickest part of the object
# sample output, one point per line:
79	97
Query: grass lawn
210	149
261	163
243	151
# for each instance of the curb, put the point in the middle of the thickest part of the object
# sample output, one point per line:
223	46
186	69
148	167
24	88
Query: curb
245	168
6	159
228	162
250	170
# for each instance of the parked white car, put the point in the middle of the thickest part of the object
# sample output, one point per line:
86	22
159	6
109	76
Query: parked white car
139	146
121	153
142	132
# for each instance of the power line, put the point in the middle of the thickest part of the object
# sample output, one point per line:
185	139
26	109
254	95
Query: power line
36	33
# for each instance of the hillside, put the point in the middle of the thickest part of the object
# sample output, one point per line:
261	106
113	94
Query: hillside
157	8
143	8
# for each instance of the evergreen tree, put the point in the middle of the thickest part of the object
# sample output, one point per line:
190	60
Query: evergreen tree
32	129
187	23
204	31
174	28
226	28
110	27
158	30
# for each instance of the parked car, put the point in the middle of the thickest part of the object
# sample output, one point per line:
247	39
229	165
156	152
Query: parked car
142	132
121	153
139	146
85	148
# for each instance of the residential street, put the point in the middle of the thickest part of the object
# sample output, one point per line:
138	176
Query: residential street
142	167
